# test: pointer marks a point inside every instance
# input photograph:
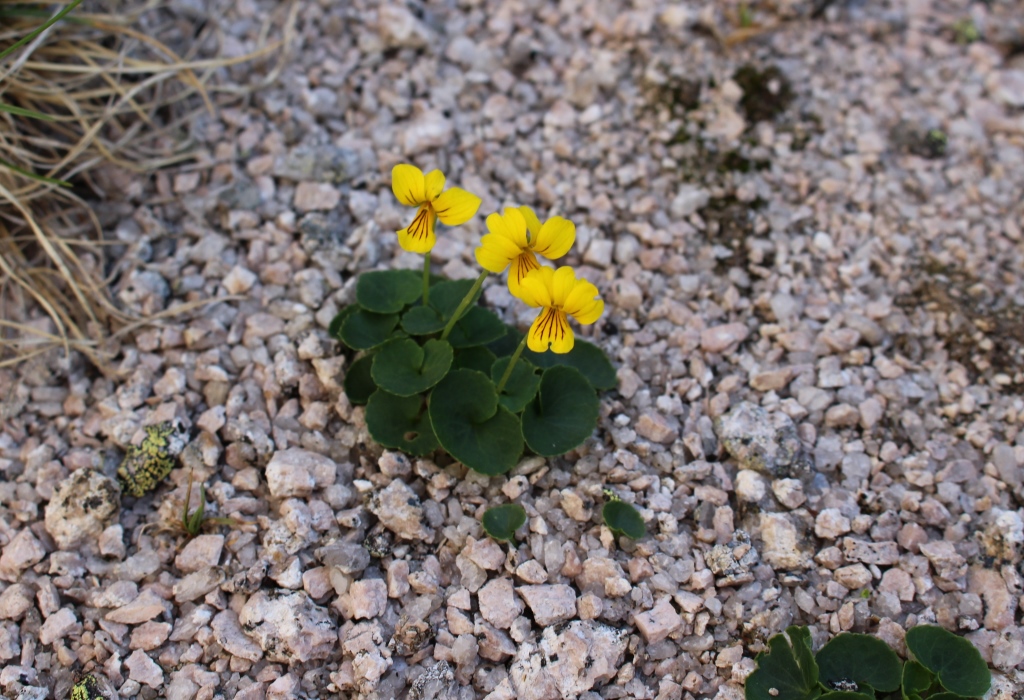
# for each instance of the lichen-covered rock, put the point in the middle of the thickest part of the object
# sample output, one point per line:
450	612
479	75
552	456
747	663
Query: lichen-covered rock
148	463
399	510
568	661
83	505
289	626
765	442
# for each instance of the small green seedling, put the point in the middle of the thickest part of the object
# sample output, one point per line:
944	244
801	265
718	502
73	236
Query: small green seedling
192	523
501	522
622	518
966	31
862	667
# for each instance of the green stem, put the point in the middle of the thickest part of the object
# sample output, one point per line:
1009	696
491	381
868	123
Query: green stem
426	278
32	35
512	364
464	303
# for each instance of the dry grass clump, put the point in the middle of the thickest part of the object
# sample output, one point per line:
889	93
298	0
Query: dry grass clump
112	93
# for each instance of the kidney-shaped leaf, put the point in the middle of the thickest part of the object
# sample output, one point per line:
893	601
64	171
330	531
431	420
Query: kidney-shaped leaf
403	368
363	330
916	680
446	296
586	357
388	291
955	661
501	522
479	358
786	670
860	658
477	327
563	414
845	695
400	422
623	519
470	424
521	386
359	385
422	320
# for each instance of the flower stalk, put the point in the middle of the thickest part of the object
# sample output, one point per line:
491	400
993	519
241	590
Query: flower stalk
463	304
512	364
426	278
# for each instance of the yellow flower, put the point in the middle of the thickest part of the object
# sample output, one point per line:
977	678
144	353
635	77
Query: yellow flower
560	295
414	189
516	238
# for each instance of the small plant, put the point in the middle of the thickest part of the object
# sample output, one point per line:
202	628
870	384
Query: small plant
622	518
966	31
501	522
861	667
193	523
437	371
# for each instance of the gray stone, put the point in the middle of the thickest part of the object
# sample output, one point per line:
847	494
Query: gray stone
549	603
399	510
289	627
568	661
761	441
83	505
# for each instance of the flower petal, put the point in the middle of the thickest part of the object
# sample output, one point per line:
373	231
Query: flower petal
433	184
535	288
456	206
580	299
550	330
555	238
521	266
511	225
419	236
589	314
407	184
532	222
562	282
496	252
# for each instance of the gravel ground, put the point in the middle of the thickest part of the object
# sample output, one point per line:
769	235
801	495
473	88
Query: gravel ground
809	243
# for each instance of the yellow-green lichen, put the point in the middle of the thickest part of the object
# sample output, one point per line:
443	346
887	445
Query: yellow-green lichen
87	688
149	463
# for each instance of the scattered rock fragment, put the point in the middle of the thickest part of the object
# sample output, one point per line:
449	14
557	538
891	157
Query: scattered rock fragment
83	505
289	626
399	510
764	442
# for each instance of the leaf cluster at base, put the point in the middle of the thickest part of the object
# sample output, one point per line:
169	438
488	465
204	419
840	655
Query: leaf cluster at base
861	667
422	392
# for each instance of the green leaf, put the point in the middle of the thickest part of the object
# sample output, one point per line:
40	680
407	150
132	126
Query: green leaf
36	32
520	388
506	344
470	424
501	522
623	519
403	368
563	414
388	291
916	680
845	695
400	422
339	318
364	330
446	296
33	176
22	112
586	357
422	320
358	383
479	358
956	662
786	670
860	658
477	327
